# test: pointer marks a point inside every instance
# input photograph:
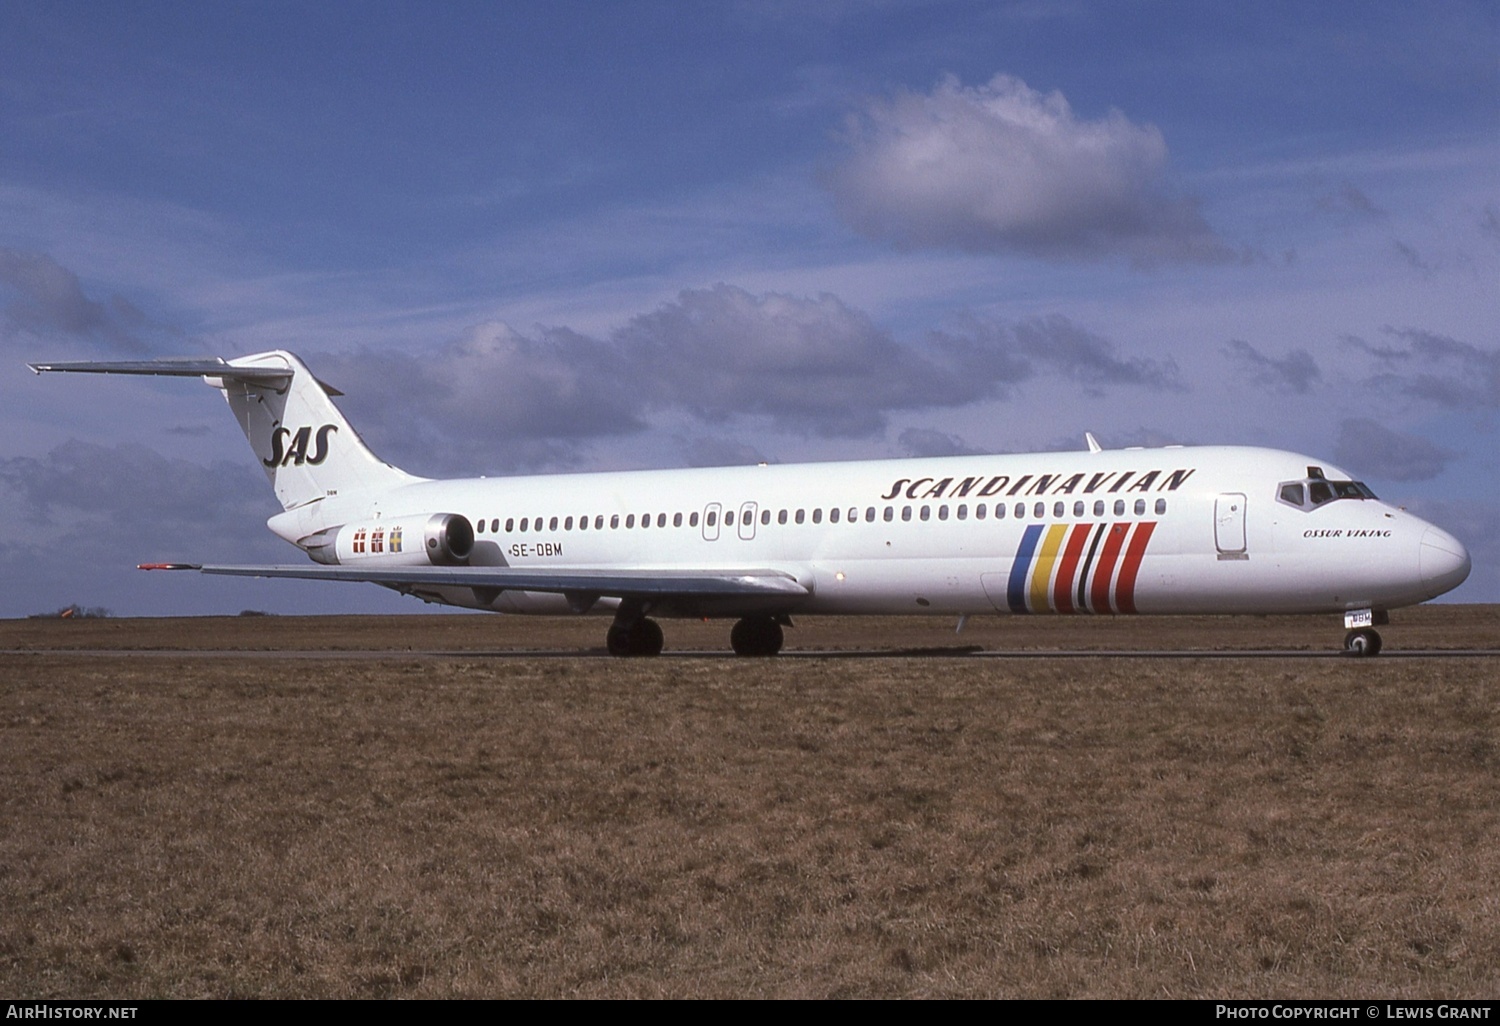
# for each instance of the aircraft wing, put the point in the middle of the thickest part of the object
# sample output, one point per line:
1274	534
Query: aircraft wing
573	581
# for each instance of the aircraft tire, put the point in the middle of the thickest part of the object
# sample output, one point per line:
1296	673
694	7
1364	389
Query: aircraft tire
641	637
1362	643
756	636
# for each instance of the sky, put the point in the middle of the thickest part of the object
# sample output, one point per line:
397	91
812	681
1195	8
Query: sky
535	237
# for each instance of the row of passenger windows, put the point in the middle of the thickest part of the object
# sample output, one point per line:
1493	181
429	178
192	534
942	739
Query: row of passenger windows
1000	511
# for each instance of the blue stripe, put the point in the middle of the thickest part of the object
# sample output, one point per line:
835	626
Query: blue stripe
1015	591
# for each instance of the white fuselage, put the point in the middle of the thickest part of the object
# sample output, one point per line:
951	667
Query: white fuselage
1151	531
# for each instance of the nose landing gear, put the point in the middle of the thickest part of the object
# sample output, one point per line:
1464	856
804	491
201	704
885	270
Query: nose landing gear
1364	643
1363	640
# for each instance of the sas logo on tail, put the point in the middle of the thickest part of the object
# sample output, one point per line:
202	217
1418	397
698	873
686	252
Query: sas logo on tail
297	452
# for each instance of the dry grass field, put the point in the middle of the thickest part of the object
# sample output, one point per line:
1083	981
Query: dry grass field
486	822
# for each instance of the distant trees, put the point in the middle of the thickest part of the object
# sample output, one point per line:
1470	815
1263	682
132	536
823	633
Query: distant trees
74	612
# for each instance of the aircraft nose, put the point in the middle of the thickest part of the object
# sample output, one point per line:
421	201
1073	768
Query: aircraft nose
1444	561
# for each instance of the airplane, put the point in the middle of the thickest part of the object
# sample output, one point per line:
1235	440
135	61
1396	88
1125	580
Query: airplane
1172	530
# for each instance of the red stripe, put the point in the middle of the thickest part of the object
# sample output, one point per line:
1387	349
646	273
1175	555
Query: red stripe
1062	586
1105	571
1125	590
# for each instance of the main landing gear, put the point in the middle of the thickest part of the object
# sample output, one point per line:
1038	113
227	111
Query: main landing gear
637	637
756	636
641	636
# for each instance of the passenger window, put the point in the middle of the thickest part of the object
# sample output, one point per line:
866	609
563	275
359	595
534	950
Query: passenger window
510	524
645	520
676	519
1140	507
853	516
523	525
729	518
599	522
979	511
781	517
765	516
713	518
1039	510
999	511
833	515
890	514
1098	507
552	524
926	513
817	516
481	527
568	524
1078	508
1058	509
943	512
1119	507
629	521
906	513
495	526
614	521
801	515
583	523
870	514
962	511
1020	511
693	519
1161	507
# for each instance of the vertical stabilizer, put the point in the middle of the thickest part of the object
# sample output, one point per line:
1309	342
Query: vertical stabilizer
307	448
303	442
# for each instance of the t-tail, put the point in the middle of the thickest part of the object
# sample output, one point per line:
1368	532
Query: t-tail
307	448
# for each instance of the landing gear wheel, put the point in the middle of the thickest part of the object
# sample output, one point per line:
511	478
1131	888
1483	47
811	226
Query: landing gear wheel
756	636
1363	643
641	637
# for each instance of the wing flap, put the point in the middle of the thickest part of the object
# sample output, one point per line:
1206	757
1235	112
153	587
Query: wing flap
612	583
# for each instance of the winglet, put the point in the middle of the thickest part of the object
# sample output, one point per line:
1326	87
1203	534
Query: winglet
1088	436
169	566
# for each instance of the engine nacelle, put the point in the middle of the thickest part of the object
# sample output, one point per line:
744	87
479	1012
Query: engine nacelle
439	539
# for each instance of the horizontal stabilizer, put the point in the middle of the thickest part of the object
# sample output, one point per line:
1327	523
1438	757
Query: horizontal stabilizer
190	367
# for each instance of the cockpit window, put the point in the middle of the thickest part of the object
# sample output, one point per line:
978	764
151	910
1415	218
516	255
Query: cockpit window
1317	491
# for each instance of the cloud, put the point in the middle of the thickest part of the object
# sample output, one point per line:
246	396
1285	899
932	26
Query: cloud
927	442
493	398
1435	368
1009	353
1412	257
497	398
1489	223
50	303
721	452
1004	168
814	365
1296	372
1377	451
128	489
1348	199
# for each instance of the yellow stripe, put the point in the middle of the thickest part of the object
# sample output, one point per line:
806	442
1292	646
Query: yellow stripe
1041	574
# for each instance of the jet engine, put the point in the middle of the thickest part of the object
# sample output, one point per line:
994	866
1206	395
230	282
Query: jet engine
439	539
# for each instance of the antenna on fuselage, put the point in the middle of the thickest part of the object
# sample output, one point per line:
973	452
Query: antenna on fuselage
1094	446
